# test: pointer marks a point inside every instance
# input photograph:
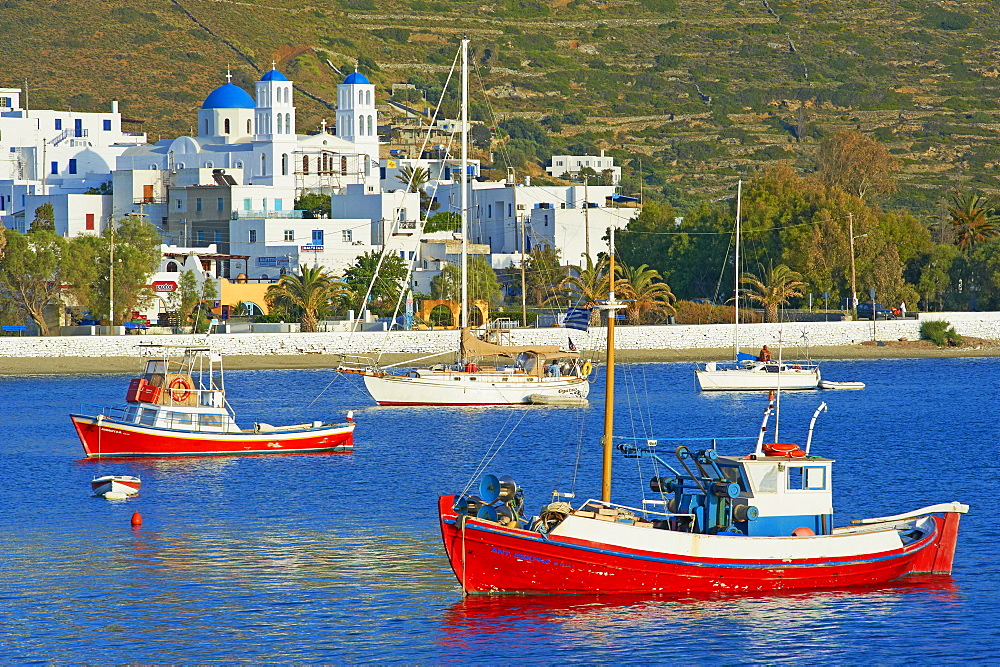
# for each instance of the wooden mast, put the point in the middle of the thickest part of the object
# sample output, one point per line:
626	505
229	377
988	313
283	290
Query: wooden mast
609	394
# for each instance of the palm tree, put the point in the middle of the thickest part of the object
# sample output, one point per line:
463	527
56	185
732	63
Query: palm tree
775	289
973	218
645	293
585	287
311	292
413	177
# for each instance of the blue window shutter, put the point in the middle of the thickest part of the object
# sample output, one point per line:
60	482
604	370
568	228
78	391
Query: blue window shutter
220	203
58	123
72	166
55	168
107	125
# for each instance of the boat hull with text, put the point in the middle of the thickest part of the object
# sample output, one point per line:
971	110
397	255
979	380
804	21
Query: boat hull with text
587	555
479	388
109	438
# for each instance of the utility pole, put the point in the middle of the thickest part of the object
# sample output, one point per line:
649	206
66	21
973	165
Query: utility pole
854	290
111	275
586	212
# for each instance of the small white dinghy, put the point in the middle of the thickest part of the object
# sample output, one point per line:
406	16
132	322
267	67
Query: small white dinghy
115	487
830	384
545	399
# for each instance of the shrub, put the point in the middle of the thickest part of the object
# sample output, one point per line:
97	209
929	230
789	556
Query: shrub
940	333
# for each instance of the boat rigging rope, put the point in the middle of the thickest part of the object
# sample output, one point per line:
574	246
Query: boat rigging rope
487	456
323	390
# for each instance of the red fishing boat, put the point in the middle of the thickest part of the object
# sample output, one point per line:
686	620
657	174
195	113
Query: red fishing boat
178	407
760	520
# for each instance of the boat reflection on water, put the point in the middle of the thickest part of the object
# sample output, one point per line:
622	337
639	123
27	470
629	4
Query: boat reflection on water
611	619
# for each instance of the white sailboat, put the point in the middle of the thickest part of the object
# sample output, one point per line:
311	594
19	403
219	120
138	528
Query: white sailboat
747	372
487	373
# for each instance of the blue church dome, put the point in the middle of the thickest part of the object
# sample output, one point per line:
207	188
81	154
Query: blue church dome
274	75
356	77
228	96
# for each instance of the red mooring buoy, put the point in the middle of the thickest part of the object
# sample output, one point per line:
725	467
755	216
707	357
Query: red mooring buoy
136	519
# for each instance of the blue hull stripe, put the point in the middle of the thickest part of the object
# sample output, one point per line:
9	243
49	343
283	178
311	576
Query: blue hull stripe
927	541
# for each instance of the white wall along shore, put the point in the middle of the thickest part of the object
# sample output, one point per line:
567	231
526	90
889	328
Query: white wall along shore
663	337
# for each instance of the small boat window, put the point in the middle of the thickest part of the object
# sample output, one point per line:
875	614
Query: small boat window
815	478
472	379
458	377
147	417
765	480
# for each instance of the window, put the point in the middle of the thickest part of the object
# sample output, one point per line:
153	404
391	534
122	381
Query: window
281	123
263	165
305	164
179	205
54	168
218	237
58	123
90	222
371	132
253	236
72	166
361	125
225	126
509	211
284	164
247	203
197	204
402	254
343	166
249	128
200	236
289	235
206	127
263	204
410	255
239	164
317	237
218	203
172	267
346	236
107	126
277	204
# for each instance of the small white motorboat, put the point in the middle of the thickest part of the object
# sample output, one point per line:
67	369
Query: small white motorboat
115	486
830	384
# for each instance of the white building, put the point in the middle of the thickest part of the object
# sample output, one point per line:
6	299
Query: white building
254	140
568	218
570	167
46	152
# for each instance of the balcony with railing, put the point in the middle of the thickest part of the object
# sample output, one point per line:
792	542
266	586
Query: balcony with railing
253	215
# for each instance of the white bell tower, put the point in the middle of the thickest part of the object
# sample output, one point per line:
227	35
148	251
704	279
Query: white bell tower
274	136
357	118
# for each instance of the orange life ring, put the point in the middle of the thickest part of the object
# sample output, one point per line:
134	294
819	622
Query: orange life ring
180	389
783	449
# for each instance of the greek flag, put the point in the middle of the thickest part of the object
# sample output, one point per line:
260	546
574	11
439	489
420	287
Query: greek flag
578	318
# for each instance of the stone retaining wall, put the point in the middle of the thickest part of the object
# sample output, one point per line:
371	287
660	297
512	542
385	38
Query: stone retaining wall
667	337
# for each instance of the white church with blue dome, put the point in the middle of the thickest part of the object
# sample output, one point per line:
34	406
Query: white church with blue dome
254	139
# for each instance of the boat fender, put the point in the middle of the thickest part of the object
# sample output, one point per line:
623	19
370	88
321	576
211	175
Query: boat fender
803	531
180	389
587	367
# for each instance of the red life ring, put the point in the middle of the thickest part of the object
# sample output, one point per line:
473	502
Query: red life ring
180	389
783	449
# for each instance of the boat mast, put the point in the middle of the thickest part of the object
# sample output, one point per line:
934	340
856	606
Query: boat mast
736	279
609	394
464	183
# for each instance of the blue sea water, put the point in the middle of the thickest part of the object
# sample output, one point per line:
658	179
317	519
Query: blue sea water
337	557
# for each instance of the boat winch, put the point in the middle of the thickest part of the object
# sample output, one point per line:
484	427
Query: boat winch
500	500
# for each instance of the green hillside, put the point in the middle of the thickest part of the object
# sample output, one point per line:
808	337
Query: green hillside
700	90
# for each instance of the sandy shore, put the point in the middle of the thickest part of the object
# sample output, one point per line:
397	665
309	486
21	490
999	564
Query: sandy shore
888	350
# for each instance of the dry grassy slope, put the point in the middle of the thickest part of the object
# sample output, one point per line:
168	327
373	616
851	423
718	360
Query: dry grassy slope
161	59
